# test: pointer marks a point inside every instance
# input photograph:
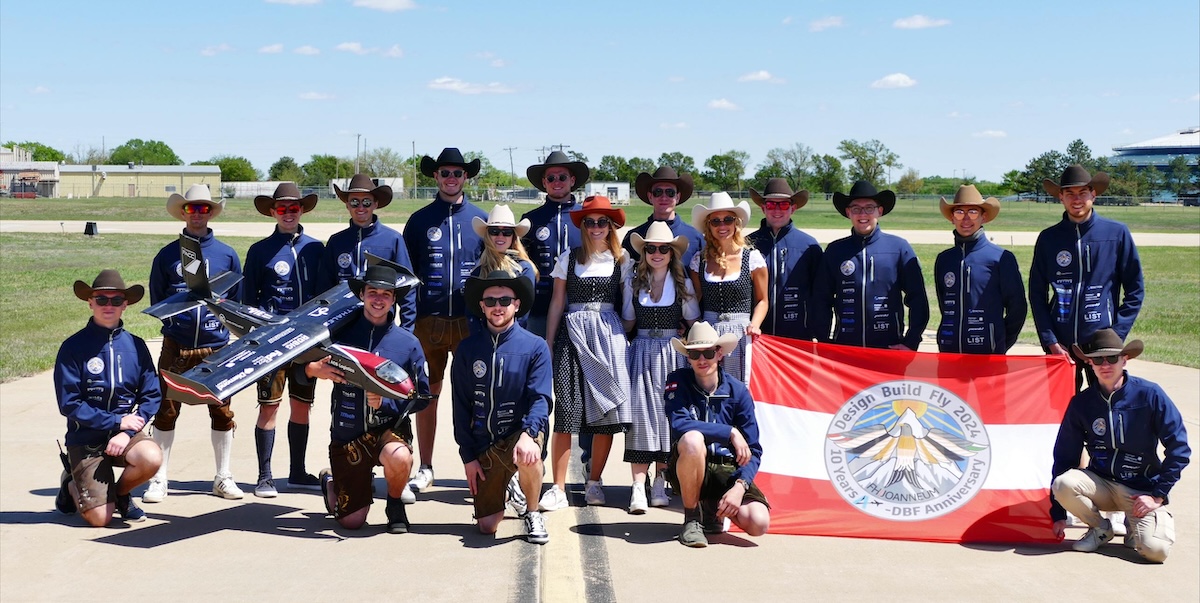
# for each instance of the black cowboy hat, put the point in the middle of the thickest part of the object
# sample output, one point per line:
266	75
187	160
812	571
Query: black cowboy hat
1076	175
286	191
1106	342
449	156
499	278
110	280
666	173
382	274
362	183
864	190
578	169
778	188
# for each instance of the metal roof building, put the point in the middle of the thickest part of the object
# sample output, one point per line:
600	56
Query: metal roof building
1158	152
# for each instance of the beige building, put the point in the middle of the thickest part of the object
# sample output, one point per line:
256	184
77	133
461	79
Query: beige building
155	181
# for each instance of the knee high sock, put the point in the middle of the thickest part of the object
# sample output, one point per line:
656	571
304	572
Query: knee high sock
222	442
264	444
165	439
297	446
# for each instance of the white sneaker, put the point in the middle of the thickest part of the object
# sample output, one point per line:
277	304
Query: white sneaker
535	528
1095	538
553	500
422	480
515	496
594	493
1117	519
637	499
408	497
156	491
225	487
658	492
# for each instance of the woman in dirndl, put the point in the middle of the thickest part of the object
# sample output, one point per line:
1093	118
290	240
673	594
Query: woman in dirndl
502	250
662	298
583	328
730	277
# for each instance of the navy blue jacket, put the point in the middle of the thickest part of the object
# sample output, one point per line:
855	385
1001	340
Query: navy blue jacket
981	296
690	409
793	259
281	271
345	256
502	384
351	415
866	282
679	227
1122	436
551	232
444	247
197	328
100	376
1077	278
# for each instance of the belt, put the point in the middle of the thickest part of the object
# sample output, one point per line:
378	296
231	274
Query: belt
590	307
727	316
727	461
656	333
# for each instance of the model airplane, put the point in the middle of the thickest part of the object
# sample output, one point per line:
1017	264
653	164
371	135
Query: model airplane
268	341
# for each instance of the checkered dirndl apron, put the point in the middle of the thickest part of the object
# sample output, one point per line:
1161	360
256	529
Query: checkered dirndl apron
726	306
651	359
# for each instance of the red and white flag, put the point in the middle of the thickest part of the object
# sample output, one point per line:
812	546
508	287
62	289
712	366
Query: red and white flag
903	445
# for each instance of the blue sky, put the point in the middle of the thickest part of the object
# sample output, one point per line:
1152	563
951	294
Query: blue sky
949	86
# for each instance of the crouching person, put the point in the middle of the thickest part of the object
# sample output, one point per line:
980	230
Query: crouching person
1121	422
716	452
502	383
368	429
107	389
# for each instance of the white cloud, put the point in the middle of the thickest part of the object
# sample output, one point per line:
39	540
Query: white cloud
825	23
352	47
1195	97
491	58
957	114
295	2
761	75
894	80
316	96
919	22
39	90
307	50
395	52
271	49
675	79
787	20
387	6
212	51
679	125
722	104
453	84
990	134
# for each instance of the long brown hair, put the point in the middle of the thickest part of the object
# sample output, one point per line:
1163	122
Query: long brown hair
641	276
614	245
493	259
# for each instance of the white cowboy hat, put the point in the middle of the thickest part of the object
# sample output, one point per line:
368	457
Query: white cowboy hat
719	202
703	336
502	216
659	232
197	193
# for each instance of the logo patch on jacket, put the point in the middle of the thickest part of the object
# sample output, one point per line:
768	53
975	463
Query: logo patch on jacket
543	233
95	365
434	234
1063	258
847	268
479	368
948	279
344	260
282	268
1099	427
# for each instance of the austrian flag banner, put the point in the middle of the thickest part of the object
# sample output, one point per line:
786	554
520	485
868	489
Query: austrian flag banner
904	445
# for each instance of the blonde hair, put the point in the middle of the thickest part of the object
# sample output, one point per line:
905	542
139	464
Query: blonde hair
614	245
493	259
711	245
641	276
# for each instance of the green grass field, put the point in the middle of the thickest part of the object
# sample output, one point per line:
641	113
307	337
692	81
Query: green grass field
39	309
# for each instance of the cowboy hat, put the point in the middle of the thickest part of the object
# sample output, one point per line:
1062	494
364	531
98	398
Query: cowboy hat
501	215
719	202
286	191
520	285
658	232
449	156
1106	342
578	169
703	336
969	195
598	204
362	183
864	190
383	274
196	193
666	173
778	188
110	280
1075	175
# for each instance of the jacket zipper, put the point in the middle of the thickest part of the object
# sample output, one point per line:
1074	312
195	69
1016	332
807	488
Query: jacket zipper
1078	284
862	297
962	294
492	386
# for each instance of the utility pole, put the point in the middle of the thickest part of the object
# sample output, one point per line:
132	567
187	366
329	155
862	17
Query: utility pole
560	146
414	170
542	153
357	139
510	166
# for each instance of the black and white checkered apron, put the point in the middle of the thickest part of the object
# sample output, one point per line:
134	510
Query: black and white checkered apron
591	372
651	359
726	306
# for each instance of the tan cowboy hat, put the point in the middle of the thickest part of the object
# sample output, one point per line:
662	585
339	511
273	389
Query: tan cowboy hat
1106	342
683	183
969	195
196	193
1076	175
719	201
659	232
578	169
703	336
286	191
110	280
362	183
778	188
501	215
598	204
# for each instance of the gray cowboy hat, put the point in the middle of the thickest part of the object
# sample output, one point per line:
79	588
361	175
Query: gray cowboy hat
362	183
1106	342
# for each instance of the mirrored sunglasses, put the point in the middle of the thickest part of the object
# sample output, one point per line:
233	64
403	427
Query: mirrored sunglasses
708	354
115	300
197	208
772	205
491	302
360	202
973	212
287	209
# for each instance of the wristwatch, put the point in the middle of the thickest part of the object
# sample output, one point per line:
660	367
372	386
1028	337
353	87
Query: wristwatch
745	484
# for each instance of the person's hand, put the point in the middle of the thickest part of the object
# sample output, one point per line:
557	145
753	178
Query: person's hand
320	369
526	452
1060	529
753	331
374	400
1058	349
116	444
731	502
474	476
132	423
1144	504
741	450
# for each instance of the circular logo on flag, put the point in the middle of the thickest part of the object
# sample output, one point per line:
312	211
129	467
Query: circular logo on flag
543	233
434	234
907	451
95	365
1063	258
948	279
479	368
847	268
282	268
344	260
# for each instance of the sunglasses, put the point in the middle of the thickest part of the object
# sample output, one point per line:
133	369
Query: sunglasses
360	202
559	178
770	205
491	302
664	249
501	232
727	220
590	223
974	213
114	301
663	192
856	210
1102	360
287	209
708	354
197	208
449	173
